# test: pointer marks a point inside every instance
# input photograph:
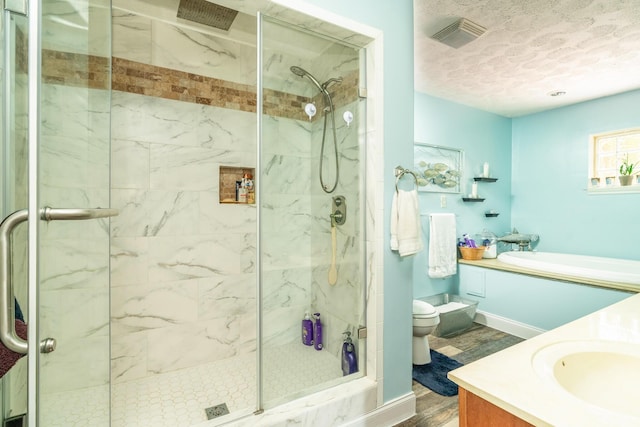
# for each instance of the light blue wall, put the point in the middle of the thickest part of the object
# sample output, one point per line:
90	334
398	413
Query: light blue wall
395	19
541	161
484	137
550	168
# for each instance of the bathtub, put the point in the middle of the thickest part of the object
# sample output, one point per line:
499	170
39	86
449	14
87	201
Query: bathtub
577	266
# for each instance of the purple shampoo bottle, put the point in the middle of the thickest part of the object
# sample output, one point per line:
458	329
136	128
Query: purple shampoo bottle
307	330
317	332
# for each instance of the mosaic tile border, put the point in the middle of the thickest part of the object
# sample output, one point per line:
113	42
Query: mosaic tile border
80	70
73	69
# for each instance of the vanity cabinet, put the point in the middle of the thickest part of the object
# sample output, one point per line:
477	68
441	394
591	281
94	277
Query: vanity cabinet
474	411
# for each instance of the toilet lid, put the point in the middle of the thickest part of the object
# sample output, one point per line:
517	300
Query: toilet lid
422	308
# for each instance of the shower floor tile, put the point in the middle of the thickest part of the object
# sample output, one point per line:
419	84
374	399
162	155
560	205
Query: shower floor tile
78	408
179	398
292	368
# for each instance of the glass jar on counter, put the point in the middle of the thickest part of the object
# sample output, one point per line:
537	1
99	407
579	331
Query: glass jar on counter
490	242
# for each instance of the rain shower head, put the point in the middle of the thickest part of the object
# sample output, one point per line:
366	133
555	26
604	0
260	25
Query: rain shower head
207	13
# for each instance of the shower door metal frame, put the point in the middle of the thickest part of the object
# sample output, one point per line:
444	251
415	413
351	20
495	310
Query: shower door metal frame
258	196
12	10
34	71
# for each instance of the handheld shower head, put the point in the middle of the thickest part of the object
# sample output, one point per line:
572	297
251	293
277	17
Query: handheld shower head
301	72
298	71
329	112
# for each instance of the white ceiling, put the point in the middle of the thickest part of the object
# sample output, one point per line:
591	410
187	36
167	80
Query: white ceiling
586	48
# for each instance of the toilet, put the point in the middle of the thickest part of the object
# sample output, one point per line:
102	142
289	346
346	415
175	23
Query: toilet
425	319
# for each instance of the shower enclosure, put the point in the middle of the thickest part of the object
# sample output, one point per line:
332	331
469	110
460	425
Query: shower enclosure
187	305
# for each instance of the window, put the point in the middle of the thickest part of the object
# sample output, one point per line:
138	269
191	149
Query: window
608	151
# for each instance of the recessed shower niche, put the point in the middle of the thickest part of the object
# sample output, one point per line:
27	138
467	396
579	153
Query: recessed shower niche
237	185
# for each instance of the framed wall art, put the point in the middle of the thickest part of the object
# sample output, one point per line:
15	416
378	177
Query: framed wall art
438	168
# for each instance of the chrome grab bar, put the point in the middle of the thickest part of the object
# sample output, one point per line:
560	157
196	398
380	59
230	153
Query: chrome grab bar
8	334
7	321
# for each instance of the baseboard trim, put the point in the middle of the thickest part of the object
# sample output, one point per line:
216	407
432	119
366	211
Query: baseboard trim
509	326
389	414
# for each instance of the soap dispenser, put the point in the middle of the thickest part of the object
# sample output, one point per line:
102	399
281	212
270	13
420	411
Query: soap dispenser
317	332
349	360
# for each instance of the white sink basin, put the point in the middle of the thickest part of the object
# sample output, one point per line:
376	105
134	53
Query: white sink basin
605	374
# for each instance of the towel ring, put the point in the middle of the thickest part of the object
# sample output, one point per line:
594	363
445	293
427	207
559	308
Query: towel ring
400	172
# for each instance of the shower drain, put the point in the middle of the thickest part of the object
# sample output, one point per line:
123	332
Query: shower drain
217	411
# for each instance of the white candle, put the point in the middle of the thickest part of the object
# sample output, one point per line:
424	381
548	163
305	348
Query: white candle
485	170
474	190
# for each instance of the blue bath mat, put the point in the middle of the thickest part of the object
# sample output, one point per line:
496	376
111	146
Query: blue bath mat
434	374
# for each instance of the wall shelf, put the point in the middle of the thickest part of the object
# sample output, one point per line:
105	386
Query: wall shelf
484	179
472	199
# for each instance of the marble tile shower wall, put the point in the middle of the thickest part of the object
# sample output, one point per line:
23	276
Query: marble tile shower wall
183	271
183	265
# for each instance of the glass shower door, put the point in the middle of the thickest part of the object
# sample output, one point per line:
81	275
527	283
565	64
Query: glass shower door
52	178
73	245
13	192
310	207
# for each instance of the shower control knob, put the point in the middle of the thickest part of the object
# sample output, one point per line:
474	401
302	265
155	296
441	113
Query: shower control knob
48	345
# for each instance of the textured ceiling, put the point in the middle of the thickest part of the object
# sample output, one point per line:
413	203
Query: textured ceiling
586	48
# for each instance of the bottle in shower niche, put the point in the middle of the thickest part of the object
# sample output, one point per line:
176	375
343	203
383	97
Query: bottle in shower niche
317	332
242	192
307	330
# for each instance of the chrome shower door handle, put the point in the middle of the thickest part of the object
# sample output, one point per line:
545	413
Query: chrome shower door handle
73	214
8	335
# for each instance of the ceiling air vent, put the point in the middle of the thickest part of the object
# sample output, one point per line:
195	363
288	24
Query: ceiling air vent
459	33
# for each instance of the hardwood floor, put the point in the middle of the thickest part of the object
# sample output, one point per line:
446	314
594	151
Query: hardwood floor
433	410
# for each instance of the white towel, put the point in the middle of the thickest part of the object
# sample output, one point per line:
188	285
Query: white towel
406	231
442	245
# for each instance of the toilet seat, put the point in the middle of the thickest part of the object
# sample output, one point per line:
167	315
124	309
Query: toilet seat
426	316
423	310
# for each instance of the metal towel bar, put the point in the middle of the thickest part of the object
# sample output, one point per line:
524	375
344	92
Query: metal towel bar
8	334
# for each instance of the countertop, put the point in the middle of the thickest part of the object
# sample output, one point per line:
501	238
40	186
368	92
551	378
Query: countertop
508	380
496	264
